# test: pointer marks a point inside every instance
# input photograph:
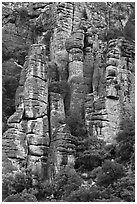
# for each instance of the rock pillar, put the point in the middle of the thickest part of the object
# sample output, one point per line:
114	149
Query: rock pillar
29	128
111	105
61	149
74	46
61	32
61	142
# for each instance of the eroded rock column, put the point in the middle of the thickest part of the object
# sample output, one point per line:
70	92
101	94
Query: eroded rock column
36	103
110	107
30	122
61	150
75	46
61	32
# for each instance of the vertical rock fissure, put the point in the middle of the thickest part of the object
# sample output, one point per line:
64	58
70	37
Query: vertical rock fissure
49	116
73	15
27	156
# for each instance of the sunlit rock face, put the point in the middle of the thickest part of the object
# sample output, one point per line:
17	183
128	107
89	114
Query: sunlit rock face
69	70
108	107
29	128
58	53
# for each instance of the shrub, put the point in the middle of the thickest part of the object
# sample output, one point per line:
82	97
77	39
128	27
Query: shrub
90	154
60	87
125	188
43	191
15	183
129	29
73	183
83	195
23	13
111	171
110	151
21	197
113	33
64	183
126	141
93	194
14	198
88	161
76	124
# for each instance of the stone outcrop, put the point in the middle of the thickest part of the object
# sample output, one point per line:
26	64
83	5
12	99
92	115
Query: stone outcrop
65	73
61	149
108	109
29	128
74	46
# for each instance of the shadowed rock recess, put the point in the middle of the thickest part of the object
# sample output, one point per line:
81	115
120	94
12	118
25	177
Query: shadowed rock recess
68	71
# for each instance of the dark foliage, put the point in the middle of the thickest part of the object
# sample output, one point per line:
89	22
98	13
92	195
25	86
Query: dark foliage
110	172
113	33
60	87
13	184
66	182
10	81
83	195
126	141
76	124
21	197
123	190
90	153
15	44
129	29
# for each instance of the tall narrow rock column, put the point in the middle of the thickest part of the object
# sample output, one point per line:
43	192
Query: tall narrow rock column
61	144
111	106
36	103
57	119
104	116
29	123
88	69
118	83
74	46
61	32
60	150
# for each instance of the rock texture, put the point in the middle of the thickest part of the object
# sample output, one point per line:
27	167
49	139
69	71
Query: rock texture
29	128
68	70
109	106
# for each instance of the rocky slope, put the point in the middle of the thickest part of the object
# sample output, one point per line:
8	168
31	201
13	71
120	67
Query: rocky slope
69	70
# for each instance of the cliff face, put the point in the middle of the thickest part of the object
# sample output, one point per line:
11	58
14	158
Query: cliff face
67	72
117	80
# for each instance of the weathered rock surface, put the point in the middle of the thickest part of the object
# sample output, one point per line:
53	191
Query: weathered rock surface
67	71
104	117
74	46
29	133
